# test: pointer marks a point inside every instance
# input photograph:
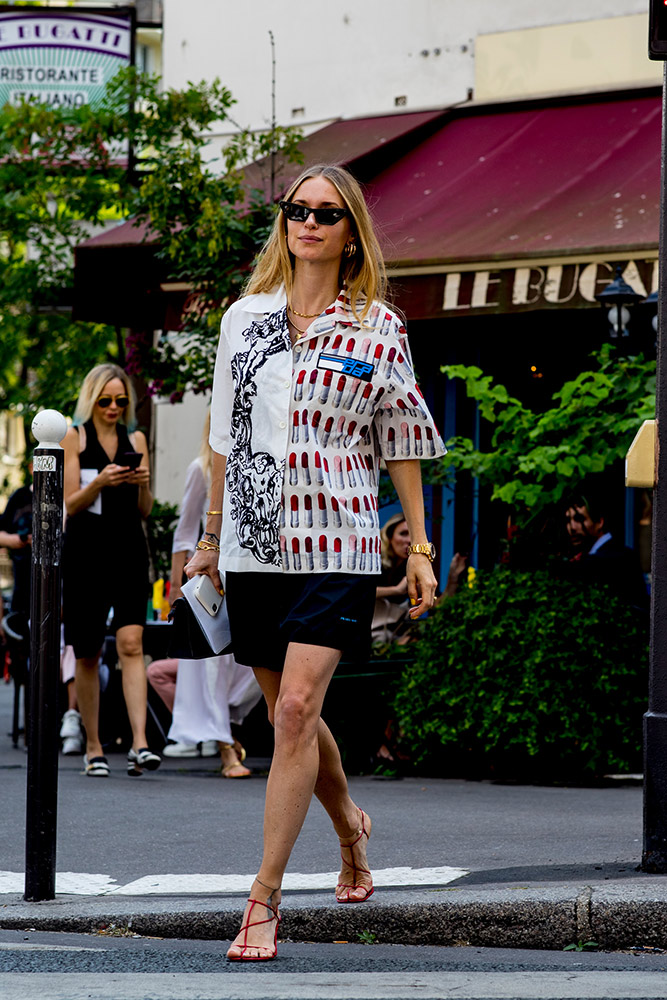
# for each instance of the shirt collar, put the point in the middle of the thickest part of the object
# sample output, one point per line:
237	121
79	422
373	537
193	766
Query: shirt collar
339	312
265	302
602	540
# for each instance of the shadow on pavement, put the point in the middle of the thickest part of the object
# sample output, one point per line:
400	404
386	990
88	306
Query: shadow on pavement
552	873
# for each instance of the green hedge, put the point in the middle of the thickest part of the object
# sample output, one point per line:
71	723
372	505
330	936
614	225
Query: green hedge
529	676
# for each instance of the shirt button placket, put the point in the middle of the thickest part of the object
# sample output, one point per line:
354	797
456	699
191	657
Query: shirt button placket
287	384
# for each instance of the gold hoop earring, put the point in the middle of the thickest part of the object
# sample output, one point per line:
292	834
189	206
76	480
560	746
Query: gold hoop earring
350	248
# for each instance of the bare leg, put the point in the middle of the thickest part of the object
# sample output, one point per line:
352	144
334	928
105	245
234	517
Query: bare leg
162	675
131	656
296	760
331	789
331	786
353	827
71	695
88	695
305	759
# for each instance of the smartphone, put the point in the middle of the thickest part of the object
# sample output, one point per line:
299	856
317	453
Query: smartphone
207	595
131	458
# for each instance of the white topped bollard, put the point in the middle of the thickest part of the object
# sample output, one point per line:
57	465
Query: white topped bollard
49	427
43	722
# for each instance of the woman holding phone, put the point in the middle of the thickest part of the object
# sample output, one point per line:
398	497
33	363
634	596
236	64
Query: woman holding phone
313	386
105	557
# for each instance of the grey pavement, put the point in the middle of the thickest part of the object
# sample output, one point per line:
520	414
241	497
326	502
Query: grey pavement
461	862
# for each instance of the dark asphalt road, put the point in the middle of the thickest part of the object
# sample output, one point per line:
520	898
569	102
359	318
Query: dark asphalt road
27	952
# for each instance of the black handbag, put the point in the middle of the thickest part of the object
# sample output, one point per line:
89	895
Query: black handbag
187	640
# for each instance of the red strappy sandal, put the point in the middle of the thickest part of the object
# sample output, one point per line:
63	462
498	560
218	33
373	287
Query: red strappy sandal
355	868
255	923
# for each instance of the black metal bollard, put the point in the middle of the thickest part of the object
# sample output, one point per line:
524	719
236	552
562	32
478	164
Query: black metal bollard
49	428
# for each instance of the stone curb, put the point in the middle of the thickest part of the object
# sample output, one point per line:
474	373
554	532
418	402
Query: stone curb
615	917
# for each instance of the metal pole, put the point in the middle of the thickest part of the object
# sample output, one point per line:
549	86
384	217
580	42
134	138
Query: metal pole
654	855
273	118
49	428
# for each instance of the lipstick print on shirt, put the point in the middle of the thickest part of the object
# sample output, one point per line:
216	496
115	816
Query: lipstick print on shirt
328	410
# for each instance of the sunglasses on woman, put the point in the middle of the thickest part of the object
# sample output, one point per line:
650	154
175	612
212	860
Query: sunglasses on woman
121	401
323	216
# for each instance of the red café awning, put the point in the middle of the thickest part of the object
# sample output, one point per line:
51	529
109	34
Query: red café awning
472	187
495	184
365	145
566	188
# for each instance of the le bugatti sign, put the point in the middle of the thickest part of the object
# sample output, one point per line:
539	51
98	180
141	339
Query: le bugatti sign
59	58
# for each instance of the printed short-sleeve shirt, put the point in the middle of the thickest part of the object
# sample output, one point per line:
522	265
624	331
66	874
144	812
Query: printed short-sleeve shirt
304	428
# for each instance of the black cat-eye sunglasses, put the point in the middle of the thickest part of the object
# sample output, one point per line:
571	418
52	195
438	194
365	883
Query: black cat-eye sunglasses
323	216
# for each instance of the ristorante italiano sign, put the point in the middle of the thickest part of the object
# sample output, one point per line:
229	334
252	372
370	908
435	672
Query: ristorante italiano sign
61	58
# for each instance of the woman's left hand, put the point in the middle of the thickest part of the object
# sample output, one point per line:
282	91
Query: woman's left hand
140	477
421	584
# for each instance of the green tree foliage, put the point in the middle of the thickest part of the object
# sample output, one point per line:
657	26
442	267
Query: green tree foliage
534	459
526	674
63	173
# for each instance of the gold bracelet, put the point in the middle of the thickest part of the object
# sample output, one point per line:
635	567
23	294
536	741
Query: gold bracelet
213	512
207	547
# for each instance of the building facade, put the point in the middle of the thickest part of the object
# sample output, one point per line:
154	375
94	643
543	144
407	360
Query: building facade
377	57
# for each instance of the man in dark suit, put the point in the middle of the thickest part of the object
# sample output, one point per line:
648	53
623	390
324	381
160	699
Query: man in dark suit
599	557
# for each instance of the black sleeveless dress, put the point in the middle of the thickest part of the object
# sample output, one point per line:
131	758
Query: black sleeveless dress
105	556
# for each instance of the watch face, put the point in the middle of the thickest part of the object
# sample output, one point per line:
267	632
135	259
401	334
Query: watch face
427	548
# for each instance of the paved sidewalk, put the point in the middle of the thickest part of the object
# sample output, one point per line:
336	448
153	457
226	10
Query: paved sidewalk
172	854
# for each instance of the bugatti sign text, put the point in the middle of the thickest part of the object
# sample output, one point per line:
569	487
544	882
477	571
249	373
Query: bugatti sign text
61	59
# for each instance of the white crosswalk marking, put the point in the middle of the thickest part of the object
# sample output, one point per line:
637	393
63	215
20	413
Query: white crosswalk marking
258	985
84	884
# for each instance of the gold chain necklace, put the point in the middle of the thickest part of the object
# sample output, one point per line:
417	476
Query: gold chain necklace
302	315
299	331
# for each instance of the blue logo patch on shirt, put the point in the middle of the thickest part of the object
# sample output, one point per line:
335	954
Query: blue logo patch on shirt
346	366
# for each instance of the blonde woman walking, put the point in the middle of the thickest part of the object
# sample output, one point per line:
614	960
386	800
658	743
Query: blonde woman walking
313	386
105	557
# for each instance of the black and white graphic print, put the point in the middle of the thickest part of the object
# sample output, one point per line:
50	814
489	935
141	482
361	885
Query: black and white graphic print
254	479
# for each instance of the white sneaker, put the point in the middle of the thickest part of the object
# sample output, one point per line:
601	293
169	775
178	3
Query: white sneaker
181	750
71	724
72	745
209	748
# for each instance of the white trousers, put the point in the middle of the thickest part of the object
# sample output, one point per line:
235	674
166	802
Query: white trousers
210	694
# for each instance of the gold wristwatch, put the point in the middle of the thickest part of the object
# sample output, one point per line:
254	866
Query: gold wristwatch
425	549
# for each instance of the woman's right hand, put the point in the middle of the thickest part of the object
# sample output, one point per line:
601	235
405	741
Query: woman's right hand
205	562
401	587
114	475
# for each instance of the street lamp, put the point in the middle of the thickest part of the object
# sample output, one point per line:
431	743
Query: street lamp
652	301
616	297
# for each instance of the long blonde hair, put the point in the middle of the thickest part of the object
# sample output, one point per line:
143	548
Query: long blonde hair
92	387
363	275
